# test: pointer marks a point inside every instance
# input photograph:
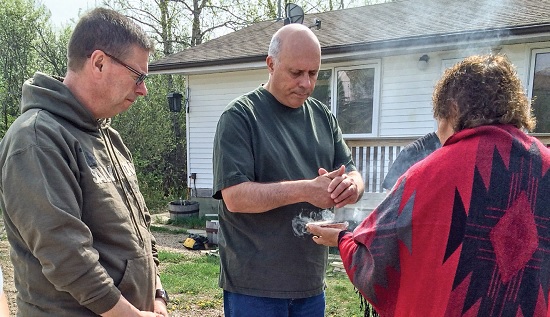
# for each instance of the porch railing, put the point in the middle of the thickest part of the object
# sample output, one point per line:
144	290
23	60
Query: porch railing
373	157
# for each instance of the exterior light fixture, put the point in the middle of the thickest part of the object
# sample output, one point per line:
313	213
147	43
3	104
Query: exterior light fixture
174	101
423	62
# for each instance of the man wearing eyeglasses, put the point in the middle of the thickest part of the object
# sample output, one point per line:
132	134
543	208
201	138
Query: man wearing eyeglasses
74	216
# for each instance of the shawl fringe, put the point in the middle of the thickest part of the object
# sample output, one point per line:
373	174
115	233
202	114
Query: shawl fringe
366	306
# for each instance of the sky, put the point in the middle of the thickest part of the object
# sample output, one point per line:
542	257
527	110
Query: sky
65	10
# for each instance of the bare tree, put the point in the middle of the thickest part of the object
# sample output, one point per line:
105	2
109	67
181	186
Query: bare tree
17	58
178	24
51	48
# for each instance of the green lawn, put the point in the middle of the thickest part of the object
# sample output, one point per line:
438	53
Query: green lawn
192	281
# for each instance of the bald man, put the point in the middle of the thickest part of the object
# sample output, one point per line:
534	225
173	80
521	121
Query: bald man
273	150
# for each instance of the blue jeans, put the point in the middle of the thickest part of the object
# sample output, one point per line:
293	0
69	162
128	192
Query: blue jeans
238	305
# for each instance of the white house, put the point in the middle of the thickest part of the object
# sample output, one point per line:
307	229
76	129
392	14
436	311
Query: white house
379	67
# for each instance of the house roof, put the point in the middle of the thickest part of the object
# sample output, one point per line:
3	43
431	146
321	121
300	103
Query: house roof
399	24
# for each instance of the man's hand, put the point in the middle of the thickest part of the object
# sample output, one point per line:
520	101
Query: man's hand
160	307
123	308
344	188
324	191
318	195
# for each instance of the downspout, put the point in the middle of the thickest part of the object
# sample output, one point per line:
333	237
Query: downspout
187	136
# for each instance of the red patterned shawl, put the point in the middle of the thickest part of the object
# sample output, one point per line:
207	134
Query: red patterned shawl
466	232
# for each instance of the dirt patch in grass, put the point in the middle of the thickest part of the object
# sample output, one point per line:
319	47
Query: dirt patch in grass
165	241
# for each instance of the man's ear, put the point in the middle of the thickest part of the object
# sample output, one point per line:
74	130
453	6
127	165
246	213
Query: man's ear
99	65
96	63
97	60
270	61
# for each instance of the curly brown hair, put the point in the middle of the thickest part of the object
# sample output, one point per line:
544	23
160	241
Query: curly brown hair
482	90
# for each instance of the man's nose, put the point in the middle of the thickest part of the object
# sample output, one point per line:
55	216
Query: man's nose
141	89
305	81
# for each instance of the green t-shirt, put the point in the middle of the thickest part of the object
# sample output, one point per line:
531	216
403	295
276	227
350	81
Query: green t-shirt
259	139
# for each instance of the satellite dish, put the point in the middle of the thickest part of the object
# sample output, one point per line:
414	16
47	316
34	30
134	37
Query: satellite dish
294	13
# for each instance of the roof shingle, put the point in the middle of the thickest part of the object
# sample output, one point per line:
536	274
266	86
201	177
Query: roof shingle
402	21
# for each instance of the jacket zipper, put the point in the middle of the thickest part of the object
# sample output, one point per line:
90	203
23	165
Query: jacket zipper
122	179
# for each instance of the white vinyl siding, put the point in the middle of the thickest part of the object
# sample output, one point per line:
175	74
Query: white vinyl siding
406	91
405	102
209	94
404	105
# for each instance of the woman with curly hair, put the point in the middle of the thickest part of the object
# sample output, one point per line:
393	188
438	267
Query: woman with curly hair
482	90
463	232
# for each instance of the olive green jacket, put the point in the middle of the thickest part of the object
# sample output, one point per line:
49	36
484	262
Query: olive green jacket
74	216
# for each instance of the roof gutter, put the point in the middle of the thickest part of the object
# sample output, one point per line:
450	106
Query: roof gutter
216	62
497	36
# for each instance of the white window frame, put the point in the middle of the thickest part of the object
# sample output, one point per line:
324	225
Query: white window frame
532	63
531	78
375	98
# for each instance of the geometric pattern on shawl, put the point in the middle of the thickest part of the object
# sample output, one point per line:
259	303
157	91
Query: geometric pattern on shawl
389	225
499	271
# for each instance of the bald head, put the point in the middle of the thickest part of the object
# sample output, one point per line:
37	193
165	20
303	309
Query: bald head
293	63
293	36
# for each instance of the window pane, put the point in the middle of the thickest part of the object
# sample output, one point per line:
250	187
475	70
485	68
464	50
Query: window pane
322	87
355	100
541	93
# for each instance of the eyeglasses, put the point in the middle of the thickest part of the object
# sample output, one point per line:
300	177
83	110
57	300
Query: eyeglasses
141	76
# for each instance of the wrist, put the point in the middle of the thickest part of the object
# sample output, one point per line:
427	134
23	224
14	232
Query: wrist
341	234
161	294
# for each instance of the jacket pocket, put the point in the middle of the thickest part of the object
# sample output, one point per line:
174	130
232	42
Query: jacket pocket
138	283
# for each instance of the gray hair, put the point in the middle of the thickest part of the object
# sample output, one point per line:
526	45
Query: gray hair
274	46
107	30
